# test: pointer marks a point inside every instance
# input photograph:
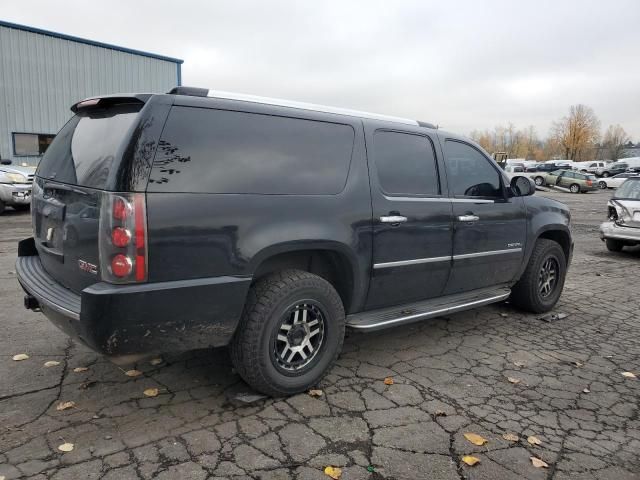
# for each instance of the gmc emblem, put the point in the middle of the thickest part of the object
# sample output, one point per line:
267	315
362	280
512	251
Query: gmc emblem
87	267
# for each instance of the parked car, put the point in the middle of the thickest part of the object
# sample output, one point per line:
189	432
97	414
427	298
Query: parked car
15	186
623	225
611	169
271	226
575	182
615	181
514	168
589	167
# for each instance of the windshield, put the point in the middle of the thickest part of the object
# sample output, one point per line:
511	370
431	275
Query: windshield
629	189
84	150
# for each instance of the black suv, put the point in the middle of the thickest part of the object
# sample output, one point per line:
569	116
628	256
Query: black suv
196	219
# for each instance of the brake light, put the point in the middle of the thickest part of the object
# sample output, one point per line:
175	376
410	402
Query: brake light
589	183
123	238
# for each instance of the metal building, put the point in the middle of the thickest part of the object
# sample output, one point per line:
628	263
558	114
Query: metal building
43	73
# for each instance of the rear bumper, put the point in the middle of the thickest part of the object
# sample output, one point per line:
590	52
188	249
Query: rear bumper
124	321
618	232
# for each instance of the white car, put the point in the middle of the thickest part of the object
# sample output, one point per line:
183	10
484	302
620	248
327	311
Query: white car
615	181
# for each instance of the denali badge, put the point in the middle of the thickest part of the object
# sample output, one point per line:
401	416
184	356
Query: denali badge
87	267
514	245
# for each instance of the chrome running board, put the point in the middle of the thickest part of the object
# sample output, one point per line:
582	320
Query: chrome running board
412	312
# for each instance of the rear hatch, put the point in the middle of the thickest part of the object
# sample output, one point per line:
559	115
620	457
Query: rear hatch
72	178
626	201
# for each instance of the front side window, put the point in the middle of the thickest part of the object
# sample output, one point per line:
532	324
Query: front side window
406	163
31	144
470	174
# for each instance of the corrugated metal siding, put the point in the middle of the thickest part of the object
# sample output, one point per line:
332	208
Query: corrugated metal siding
42	76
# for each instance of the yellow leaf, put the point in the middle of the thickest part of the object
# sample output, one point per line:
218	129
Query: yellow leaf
469	460
513	380
534	440
510	437
539	463
333	472
133	373
151	392
65	405
315	393
66	447
518	364
624	374
20	357
388	381
80	369
155	361
475	438
440	413
578	364
586	390
51	363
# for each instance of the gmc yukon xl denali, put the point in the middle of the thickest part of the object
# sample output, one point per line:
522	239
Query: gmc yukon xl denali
201	218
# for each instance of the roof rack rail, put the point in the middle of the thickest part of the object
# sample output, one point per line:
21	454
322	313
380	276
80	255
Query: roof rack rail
191	91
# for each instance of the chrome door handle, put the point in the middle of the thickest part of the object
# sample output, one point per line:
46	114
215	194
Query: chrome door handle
468	218
393	219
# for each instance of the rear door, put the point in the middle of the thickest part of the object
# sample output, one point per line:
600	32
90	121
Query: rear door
489	226
412	225
68	190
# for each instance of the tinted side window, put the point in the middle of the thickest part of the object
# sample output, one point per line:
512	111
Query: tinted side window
219	151
405	163
469	173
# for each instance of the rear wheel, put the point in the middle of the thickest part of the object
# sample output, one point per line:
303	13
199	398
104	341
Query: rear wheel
614	245
22	208
1	207
574	188
602	185
539	181
540	286
290	334
605	174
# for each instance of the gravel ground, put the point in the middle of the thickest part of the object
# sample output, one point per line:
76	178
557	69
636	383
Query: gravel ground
489	371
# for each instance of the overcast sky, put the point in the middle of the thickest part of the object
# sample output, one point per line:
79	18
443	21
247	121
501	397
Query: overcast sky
464	65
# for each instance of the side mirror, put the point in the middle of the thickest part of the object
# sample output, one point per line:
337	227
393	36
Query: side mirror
522	186
5	162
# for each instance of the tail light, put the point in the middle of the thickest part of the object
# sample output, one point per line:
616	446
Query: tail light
123	238
589	183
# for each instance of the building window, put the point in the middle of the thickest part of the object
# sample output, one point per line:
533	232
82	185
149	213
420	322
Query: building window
31	144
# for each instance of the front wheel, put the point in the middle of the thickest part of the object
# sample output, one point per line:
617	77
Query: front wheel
574	188
541	284
539	181
613	245
290	334
602	185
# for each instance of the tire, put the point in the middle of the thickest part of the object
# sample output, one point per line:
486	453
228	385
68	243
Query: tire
1	207
602	185
261	358
528	294
539	181
614	245
605	174
21	208
574	188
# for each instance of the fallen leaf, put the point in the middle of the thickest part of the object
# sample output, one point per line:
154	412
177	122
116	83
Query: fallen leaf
624	374
20	357
504	315
513	380
469	460
440	413
80	369
586	390
518	364
333	472
534	440
66	447
315	393
578	364
388	381
510	437
155	361
51	363
475	438
538	463
151	392
65	405
133	373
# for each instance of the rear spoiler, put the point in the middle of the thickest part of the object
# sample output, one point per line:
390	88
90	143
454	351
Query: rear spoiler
110	100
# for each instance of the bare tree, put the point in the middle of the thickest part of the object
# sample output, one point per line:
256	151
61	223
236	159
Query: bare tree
577	133
614	141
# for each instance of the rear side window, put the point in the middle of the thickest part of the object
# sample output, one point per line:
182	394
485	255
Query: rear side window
406	163
84	151
219	151
469	173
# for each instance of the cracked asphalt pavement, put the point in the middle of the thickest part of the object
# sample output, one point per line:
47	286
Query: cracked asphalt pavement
451	377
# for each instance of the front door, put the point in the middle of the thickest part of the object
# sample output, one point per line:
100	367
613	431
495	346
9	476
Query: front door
412	224
489	226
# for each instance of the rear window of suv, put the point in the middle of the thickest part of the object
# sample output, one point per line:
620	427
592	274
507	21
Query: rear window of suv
219	151
84	151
